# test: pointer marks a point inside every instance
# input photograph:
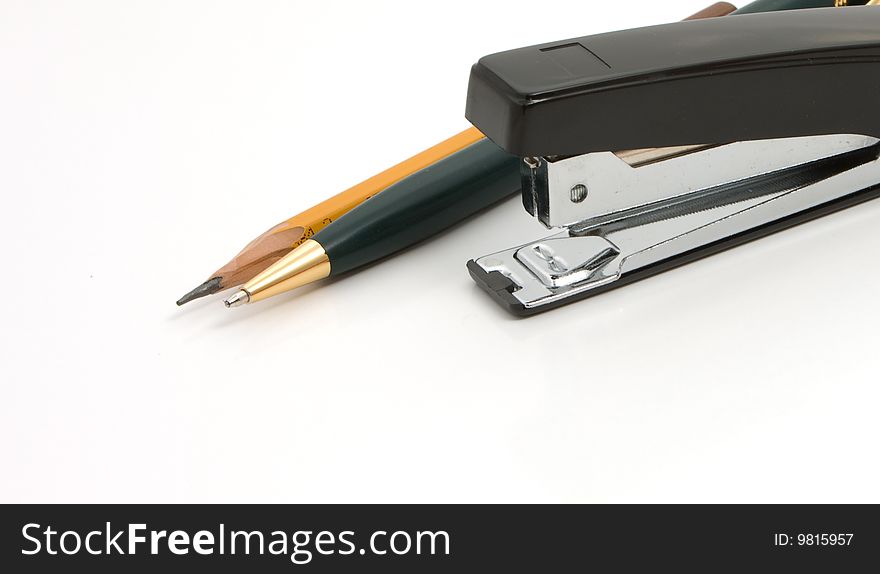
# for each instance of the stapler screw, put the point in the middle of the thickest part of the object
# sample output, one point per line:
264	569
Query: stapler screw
578	193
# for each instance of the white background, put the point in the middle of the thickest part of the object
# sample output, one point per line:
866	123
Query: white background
143	143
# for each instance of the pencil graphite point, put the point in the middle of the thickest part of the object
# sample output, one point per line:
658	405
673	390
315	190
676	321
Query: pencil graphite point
237	299
209	287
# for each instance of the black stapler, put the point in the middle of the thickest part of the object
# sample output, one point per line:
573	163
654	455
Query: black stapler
653	147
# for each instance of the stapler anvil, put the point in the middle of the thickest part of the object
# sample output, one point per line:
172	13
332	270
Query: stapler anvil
653	147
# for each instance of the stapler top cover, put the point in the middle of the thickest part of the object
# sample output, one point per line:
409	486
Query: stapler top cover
712	81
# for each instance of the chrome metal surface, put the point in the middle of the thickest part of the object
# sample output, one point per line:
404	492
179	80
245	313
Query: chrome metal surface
561	262
237	299
658	225
578	193
616	186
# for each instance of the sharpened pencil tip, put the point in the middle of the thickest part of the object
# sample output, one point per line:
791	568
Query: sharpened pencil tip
209	287
237	299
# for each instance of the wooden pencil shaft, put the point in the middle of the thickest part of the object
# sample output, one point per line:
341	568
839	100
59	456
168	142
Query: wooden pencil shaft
715	10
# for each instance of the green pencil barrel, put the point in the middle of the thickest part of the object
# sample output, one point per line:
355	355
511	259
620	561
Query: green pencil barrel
775	5
425	203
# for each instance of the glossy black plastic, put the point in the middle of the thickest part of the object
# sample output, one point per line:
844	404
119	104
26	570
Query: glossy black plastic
712	81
